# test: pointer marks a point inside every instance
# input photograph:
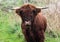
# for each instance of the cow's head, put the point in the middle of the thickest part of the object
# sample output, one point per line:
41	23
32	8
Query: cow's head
28	13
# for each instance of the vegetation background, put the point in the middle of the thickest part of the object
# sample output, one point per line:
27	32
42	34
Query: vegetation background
10	22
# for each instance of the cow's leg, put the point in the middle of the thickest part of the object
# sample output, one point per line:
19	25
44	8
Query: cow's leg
24	32
29	36
25	35
41	35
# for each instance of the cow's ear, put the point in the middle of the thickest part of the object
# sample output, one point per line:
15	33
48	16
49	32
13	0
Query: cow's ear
38	10
17	11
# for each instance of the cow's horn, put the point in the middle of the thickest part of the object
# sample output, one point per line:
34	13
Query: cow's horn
14	8
42	7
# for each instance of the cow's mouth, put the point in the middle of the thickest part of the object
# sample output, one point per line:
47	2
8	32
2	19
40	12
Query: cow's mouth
28	24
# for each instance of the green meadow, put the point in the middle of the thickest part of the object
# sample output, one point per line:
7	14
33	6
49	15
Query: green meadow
10	23
10	29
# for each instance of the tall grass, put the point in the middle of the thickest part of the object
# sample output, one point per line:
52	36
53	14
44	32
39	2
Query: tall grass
10	23
10	29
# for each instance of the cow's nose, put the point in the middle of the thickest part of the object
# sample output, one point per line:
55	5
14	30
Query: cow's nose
27	23
27	19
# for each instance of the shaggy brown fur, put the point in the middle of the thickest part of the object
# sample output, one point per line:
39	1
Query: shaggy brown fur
33	23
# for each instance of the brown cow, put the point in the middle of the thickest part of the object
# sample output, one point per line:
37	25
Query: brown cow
33	23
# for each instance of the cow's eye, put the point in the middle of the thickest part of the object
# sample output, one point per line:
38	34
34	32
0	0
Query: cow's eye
21	12
34	11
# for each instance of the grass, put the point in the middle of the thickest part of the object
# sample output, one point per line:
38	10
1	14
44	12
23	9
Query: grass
48	39
10	29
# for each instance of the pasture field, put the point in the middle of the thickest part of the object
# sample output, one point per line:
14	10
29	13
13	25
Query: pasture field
10	22
10	29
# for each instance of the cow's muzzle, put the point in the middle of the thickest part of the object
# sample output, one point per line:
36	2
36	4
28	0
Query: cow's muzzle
27	23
